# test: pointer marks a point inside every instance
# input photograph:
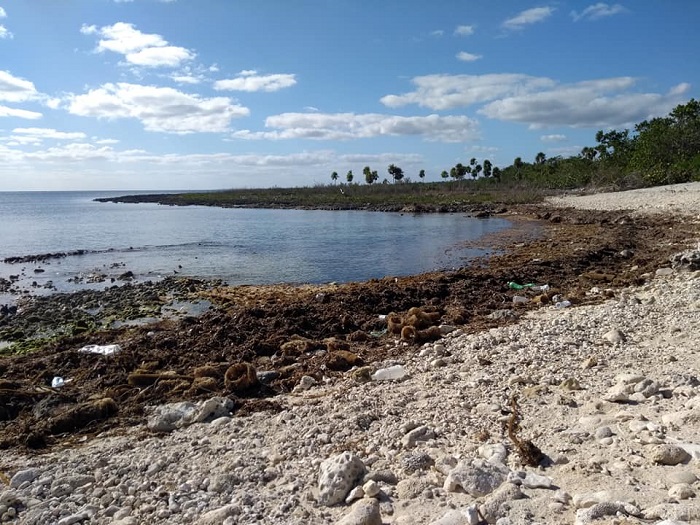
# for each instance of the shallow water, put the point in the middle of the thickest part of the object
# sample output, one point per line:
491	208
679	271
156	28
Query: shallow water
240	246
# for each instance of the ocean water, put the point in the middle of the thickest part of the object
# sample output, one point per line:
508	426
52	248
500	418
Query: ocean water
240	246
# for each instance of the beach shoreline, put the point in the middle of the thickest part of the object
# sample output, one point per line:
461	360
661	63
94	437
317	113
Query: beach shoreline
449	410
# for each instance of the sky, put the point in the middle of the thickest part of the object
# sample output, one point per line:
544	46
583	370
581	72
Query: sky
216	94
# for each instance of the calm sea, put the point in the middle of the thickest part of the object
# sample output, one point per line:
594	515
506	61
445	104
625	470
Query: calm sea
240	246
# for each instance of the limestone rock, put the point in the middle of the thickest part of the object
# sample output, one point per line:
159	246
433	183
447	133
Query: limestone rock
337	476
668	454
477	478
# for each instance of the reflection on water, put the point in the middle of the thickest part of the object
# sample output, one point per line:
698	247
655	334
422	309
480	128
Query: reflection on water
139	242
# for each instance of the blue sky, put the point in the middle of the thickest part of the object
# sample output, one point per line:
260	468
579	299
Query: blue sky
207	94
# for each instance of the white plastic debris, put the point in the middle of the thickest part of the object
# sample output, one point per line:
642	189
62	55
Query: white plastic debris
57	382
101	349
390	373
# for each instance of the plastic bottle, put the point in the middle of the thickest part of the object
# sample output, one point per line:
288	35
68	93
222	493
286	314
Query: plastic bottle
515	286
540	288
519	299
390	373
563	304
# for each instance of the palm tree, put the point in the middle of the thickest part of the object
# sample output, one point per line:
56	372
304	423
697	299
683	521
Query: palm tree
518	164
349	177
334	176
540	158
421	174
487	168
395	172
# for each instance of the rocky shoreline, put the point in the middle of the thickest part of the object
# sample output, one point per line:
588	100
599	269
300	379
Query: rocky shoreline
509	411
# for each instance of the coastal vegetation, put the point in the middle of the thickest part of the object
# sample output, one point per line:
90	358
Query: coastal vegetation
663	150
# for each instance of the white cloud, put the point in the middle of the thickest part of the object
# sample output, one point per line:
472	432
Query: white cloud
541	101
437	33
4	33
596	11
467	57
139	49
250	81
594	103
166	56
441	92
553	138
19	113
15	89
464	30
487	151
347	126
527	17
158	108
186	79
48	133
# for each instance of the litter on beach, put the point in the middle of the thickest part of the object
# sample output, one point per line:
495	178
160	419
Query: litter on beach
101	349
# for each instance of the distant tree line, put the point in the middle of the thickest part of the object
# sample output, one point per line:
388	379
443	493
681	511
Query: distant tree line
664	150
